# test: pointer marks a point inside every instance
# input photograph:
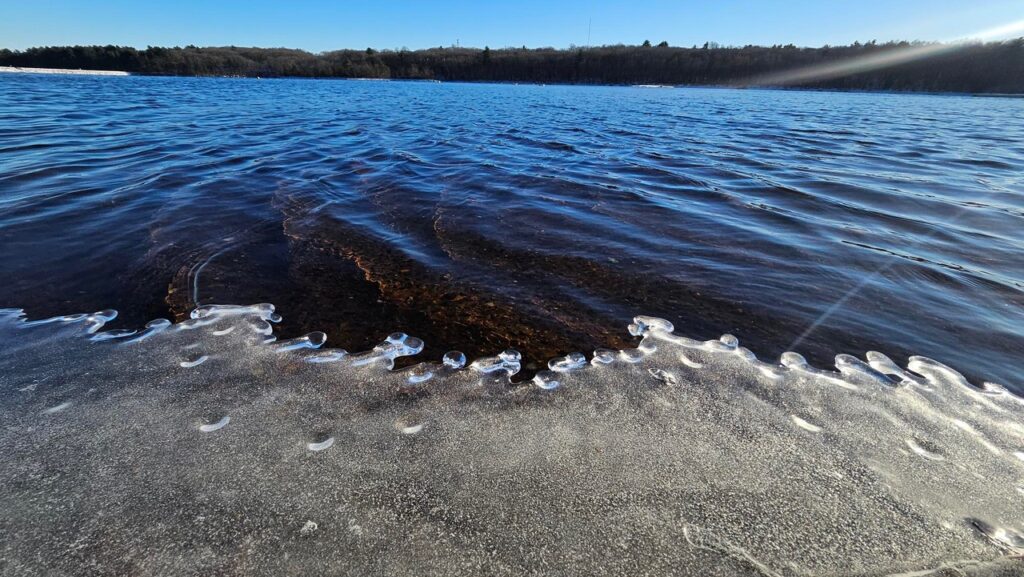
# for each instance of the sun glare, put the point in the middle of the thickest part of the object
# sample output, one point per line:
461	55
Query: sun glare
881	60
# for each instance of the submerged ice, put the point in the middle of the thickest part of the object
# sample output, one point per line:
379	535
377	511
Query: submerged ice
207	447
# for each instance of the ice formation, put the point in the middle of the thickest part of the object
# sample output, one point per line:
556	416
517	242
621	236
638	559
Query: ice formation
206	447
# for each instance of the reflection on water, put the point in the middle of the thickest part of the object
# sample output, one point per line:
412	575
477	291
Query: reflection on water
480	217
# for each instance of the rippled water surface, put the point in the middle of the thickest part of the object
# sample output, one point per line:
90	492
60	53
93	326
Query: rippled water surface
539	217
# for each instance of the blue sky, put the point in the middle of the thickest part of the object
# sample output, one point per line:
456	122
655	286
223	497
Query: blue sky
319	25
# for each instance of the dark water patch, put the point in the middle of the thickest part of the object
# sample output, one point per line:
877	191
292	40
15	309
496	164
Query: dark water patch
982	163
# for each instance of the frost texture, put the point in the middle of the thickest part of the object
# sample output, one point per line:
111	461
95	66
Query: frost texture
207	448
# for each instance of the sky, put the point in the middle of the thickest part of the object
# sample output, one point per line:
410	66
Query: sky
320	25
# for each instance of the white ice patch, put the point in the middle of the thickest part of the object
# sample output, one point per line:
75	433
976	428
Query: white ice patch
675	457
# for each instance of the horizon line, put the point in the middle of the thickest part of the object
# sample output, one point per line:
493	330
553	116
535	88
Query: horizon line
710	45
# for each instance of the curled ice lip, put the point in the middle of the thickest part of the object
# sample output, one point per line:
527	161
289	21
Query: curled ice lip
410	424
921	451
194	362
56	408
321	445
546	380
211	427
805	425
689	362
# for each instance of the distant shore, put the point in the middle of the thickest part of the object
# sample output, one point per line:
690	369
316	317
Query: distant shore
964	68
20	70
81	72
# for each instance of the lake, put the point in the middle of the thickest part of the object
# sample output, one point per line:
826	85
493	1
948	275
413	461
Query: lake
479	217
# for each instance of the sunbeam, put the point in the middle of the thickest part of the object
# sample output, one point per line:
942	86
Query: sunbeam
885	59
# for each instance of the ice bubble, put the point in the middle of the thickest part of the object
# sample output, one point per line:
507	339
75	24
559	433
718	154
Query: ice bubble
643	325
262	310
507	361
259	326
570	362
886	366
454	360
794	361
420	373
328	356
851	366
71	318
114	334
729	341
936	372
153	327
647	346
396	345
313	340
603	357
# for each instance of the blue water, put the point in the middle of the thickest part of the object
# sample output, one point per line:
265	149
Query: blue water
540	217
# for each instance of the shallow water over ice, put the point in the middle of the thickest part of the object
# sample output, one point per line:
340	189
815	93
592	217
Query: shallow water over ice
123	454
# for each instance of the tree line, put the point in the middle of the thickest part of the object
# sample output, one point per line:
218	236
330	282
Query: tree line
994	67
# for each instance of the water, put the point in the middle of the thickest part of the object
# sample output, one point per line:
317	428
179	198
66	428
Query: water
482	217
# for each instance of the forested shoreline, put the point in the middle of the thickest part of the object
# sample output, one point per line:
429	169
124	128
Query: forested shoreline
993	67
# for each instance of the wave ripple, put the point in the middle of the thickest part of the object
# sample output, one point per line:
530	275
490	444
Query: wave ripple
480	217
